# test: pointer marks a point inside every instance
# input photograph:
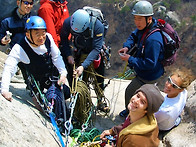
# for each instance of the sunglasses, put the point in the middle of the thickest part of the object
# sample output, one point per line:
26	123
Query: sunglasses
27	3
169	80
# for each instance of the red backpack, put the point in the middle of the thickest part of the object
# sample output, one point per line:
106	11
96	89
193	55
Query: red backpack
171	41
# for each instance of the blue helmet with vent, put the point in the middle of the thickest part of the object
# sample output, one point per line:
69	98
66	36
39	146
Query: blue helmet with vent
35	22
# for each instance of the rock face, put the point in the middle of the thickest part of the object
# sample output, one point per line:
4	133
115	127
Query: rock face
5	8
22	125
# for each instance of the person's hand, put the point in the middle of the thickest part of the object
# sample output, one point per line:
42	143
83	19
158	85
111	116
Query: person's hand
5	41
7	95
104	133
124	57
78	71
123	50
70	60
62	80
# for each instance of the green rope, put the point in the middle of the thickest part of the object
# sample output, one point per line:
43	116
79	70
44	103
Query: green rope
85	136
126	74
41	94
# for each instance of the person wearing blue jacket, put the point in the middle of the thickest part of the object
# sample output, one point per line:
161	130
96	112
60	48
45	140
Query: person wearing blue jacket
82	45
146	61
15	24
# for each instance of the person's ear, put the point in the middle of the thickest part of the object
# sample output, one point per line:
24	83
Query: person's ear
27	34
149	19
145	111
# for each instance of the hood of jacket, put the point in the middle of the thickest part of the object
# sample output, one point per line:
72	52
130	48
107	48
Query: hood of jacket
146	124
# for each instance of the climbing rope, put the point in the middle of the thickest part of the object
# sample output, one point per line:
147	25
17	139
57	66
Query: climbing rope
84	107
83	103
126	74
84	136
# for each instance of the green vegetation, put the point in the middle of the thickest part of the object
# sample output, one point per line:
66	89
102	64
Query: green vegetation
110	1
169	3
193	18
125	9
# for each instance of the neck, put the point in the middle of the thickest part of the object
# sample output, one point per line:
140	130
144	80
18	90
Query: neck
136	116
172	96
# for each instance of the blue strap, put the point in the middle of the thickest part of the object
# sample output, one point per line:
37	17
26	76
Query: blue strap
56	129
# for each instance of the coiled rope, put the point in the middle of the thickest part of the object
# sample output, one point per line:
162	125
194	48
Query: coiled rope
83	103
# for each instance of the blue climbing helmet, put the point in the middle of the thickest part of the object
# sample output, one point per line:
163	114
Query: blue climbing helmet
80	21
35	22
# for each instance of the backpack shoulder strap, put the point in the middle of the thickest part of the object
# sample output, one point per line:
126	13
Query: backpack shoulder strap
148	34
92	24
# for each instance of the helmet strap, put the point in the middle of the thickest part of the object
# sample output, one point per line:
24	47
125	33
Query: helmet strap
32	42
148	25
146	17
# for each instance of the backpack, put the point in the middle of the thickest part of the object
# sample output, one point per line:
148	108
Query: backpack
95	14
171	41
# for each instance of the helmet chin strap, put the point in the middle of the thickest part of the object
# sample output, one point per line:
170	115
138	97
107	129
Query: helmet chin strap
32	42
147	24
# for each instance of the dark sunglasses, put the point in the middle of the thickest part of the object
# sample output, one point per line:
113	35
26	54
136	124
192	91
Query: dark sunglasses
169	80
27	3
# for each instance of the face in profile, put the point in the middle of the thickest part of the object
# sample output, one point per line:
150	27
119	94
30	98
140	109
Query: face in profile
172	86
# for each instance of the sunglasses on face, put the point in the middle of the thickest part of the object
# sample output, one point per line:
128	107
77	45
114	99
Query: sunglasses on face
27	3
169	80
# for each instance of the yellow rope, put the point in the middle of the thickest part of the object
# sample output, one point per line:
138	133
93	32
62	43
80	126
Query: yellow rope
83	103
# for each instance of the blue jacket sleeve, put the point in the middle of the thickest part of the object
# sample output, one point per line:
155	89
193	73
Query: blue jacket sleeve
3	30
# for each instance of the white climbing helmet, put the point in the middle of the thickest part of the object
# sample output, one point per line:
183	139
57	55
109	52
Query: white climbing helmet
80	21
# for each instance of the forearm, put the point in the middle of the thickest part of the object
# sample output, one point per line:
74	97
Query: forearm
116	129
8	73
